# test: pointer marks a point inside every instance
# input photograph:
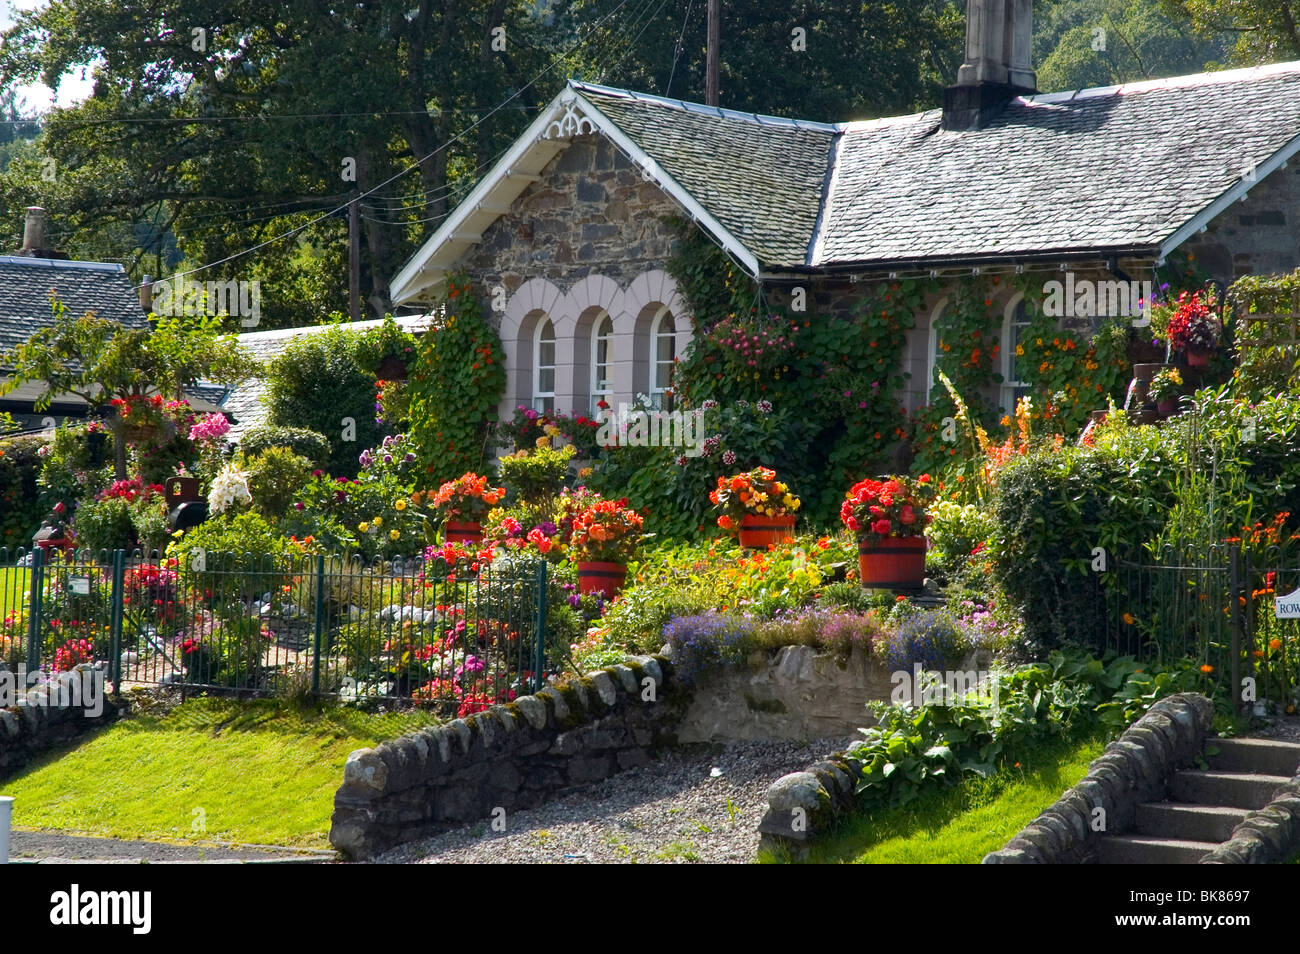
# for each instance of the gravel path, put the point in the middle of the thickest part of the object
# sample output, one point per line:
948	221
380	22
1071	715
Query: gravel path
699	803
51	847
1284	729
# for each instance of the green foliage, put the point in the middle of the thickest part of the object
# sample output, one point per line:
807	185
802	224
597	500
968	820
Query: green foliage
239	554
1265	31
954	534
315	383
1259	311
455	387
386	341
307	443
275	479
105	525
21	508
533	476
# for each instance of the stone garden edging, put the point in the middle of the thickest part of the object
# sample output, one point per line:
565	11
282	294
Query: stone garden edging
29	730
1267	836
1134	769
507	758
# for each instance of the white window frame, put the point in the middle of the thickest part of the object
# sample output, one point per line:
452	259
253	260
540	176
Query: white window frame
597	392
932	352
659	396
540	397
1009	323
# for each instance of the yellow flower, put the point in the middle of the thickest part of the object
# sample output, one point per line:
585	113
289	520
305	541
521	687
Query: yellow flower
377	522
543	442
399	504
584	472
394	534
1020	351
363	527
797	504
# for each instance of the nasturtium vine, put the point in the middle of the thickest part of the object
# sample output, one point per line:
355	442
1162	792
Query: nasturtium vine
455	386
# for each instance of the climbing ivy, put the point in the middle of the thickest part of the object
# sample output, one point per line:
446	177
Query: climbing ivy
714	287
457	382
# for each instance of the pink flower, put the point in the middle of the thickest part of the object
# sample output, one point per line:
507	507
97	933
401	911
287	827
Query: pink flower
882	527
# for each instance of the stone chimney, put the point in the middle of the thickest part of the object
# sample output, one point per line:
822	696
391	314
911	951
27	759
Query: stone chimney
998	68
34	240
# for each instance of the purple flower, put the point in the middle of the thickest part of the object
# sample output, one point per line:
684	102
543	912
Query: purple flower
765	407
298	505
574	600
729	457
388	458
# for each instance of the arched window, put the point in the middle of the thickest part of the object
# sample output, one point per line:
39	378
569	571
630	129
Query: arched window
544	366
663	342
602	365
1014	327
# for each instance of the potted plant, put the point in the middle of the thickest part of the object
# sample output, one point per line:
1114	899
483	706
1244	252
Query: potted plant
889	516
602	539
1164	390
387	351
1194	328
462	503
758	505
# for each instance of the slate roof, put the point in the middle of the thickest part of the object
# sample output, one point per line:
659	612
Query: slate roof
1115	169
761	177
25	285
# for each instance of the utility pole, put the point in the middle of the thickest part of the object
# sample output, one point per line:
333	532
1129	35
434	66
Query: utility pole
714	38
354	257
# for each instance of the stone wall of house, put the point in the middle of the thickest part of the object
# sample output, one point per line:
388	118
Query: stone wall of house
49	716
590	213
1258	236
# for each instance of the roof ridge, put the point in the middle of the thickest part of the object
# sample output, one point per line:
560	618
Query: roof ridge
1204	78
60	263
716	112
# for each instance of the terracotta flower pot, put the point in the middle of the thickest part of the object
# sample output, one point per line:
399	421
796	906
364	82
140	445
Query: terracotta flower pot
455	531
596	576
1198	359
1167	406
895	563
759	532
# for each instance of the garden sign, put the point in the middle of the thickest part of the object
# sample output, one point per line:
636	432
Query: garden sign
1287	607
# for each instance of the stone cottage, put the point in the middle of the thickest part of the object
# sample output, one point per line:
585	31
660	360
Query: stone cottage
567	238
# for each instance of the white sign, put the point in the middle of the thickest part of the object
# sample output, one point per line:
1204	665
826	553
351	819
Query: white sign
79	585
1287	607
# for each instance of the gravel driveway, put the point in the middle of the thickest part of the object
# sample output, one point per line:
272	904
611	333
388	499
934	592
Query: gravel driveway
699	803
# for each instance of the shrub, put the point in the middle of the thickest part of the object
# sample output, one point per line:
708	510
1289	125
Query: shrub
538	474
316	383
235	555
106	524
306	443
21	507
275	478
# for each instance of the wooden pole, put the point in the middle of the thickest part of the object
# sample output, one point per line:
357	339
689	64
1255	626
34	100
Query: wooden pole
714	39
354	258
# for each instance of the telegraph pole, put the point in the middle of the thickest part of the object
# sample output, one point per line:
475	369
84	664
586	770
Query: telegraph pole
354	257
714	39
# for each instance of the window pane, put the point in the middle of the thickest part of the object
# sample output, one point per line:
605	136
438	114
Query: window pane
546	380
665	347
546	354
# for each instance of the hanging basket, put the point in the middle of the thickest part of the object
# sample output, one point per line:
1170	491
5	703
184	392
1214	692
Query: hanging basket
607	578
758	533
895	563
455	531
141	433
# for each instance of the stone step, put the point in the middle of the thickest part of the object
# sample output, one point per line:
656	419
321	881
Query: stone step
1232	789
1140	850
1187	822
1253	755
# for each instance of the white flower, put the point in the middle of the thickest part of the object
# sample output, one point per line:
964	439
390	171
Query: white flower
229	487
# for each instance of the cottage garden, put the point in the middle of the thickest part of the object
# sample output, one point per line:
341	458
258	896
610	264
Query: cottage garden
457	562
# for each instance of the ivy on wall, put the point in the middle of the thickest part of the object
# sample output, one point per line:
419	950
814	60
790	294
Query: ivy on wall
455	386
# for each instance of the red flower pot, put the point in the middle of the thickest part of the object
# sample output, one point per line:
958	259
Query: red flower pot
1167	406
596	576
458	532
759	532
1198	359
895	563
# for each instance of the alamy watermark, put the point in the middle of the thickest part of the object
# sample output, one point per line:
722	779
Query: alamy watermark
640	427
242	300
1084	298
80	688
922	687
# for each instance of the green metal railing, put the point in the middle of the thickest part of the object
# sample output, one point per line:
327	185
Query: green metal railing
458	637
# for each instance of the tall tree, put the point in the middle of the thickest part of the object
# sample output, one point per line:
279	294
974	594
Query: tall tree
1264	31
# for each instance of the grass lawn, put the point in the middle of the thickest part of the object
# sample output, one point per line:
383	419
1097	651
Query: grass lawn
257	772
963	824
14	583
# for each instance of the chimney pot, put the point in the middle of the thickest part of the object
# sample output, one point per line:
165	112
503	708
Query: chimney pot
998	67
34	229
146	294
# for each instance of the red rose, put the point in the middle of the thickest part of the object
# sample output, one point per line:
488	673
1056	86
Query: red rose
907	516
882	527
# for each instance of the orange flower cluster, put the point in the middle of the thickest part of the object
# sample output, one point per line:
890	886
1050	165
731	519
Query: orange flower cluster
607	531
466	498
755	492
